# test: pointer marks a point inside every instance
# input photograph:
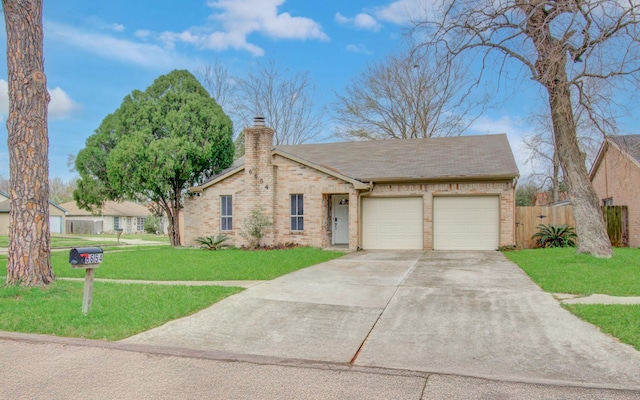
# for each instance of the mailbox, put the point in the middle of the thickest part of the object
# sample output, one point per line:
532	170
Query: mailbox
82	256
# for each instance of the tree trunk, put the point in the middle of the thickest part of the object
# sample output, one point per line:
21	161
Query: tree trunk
590	227
172	209
29	262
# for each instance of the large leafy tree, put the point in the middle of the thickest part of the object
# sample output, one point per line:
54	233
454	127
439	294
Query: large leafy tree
155	146
566	46
29	250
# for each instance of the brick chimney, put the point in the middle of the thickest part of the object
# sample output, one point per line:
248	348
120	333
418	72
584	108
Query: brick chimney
258	169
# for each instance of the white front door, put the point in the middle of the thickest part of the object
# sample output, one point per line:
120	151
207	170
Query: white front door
340	220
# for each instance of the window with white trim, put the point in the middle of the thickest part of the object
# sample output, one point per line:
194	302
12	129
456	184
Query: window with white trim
226	213
116	223
140	224
297	212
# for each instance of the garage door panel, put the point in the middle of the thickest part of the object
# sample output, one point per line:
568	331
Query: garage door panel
392	223
466	222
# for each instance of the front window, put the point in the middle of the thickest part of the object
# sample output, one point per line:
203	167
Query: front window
140	224
116	222
607	202
297	212
226	213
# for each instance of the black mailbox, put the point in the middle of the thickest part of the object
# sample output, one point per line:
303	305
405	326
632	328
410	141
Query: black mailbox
85	256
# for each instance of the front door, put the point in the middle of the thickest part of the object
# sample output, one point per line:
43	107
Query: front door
340	219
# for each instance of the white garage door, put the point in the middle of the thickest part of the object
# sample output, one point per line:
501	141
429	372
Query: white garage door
466	223
392	223
55	224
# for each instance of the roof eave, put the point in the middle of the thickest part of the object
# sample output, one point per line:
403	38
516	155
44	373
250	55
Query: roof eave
199	189
504	177
357	184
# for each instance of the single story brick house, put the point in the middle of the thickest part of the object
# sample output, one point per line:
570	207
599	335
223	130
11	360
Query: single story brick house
615	175
439	193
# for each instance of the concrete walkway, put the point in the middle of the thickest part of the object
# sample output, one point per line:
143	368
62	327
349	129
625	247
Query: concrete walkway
465	313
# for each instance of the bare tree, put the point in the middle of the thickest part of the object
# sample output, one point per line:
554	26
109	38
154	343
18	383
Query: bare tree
409	94
219	83
61	191
29	252
563	45
543	156
284	98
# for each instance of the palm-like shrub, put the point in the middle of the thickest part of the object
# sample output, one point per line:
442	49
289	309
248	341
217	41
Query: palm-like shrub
212	242
555	236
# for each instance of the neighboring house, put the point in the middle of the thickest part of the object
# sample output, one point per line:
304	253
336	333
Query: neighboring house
125	215
56	216
546	198
438	193
615	175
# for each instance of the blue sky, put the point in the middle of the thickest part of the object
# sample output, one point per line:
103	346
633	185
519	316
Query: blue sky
97	52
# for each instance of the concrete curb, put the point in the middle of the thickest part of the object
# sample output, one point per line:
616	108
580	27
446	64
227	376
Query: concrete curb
285	362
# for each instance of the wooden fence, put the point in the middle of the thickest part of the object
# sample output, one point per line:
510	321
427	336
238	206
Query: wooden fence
528	218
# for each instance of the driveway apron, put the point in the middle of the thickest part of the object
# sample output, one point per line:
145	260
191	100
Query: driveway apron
465	313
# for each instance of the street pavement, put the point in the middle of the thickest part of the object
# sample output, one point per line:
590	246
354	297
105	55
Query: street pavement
370	325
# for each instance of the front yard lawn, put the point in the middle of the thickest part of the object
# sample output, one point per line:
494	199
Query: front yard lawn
121	310
164	263
561	270
118	310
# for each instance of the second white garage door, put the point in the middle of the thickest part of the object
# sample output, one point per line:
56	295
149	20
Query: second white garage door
466	223
392	223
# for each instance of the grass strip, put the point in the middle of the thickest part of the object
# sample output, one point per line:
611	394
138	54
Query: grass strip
620	321
562	270
118	310
164	263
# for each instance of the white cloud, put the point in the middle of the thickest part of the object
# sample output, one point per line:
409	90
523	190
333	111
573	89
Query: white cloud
117	27
358	48
60	106
360	21
402	12
142	33
235	20
108	47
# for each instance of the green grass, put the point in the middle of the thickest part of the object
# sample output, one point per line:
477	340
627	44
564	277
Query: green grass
164	263
82	240
561	270
621	321
118	310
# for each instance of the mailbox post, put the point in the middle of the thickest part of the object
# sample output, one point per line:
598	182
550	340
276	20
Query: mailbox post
87	258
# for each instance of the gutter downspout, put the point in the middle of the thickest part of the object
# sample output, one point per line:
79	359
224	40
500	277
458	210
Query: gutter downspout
367	193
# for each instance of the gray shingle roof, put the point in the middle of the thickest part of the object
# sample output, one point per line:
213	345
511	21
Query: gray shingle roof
111	208
413	159
460	157
629	144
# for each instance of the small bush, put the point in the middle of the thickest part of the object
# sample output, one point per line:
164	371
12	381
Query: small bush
555	236
212	242
152	224
254	227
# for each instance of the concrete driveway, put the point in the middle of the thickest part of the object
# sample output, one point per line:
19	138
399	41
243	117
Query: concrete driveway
464	313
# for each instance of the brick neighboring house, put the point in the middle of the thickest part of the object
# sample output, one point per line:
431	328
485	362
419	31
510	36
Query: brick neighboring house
124	215
615	175
438	193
